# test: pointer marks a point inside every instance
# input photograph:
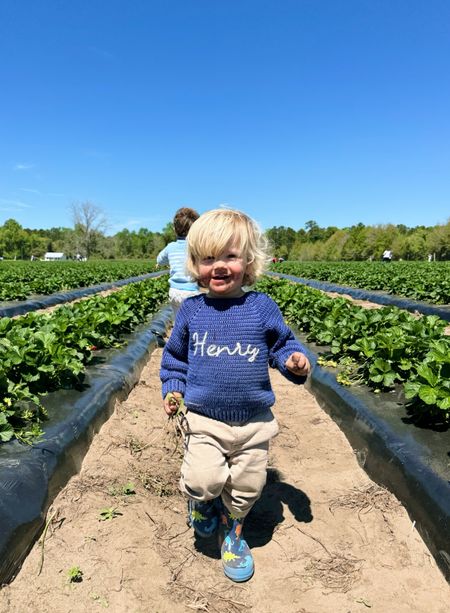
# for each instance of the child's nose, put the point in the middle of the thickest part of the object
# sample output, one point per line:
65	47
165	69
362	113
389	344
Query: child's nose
219	262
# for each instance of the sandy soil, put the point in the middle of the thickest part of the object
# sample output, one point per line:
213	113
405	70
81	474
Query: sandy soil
324	537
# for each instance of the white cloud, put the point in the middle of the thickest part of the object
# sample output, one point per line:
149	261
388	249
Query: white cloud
23	166
15	203
29	190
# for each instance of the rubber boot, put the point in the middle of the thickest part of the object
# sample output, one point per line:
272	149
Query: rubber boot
237	558
203	517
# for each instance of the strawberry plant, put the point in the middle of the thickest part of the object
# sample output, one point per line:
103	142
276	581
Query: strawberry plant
387	346
19	280
6	428
44	352
415	280
429	388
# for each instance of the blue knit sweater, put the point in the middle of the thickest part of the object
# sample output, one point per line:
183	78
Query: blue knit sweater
219	352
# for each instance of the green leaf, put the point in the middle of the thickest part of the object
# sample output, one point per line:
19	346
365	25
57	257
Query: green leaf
6	429
389	379
428	394
411	389
444	403
405	364
426	373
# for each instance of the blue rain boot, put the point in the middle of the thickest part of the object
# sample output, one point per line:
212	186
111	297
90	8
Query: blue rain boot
203	517
237	558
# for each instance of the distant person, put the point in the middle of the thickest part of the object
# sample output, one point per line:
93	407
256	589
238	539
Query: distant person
387	255
217	359
174	255
430	257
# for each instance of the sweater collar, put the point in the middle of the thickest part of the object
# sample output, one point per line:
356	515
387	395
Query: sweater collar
224	303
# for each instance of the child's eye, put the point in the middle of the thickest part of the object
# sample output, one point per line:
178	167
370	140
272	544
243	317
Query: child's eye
233	256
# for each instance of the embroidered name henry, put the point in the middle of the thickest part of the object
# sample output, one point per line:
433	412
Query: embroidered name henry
214	351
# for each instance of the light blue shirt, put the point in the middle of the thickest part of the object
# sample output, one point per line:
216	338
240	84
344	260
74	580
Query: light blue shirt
174	255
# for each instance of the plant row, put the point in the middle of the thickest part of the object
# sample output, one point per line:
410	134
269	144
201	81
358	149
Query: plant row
426	281
20	280
40	353
382	348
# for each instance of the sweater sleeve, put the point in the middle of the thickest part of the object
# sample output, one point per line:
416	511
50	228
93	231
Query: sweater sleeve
174	362
163	257
280	340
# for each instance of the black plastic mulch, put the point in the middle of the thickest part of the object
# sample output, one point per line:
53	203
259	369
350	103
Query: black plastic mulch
31	476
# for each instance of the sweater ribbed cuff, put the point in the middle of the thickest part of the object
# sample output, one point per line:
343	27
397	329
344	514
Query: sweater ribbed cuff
173	385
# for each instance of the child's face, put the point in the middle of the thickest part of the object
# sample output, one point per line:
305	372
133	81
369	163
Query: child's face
223	275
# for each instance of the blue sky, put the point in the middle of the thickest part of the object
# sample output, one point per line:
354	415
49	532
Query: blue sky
336	111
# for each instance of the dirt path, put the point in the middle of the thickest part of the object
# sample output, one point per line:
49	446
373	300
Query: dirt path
325	539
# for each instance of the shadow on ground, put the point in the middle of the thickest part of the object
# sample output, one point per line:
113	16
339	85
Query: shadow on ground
266	515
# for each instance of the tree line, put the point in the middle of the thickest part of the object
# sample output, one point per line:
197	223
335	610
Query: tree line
360	242
88	238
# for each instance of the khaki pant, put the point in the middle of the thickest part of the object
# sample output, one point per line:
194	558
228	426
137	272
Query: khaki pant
176	297
227	459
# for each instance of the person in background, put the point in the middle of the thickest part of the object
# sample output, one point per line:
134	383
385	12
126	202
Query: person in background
216	362
387	255
181	286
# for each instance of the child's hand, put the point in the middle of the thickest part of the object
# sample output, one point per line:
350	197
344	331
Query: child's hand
172	402
298	364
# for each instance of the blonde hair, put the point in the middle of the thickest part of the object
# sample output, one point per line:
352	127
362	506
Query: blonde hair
214	230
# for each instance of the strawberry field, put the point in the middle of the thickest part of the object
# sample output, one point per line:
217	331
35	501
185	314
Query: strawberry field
426	281
382	348
48	351
400	359
20	280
